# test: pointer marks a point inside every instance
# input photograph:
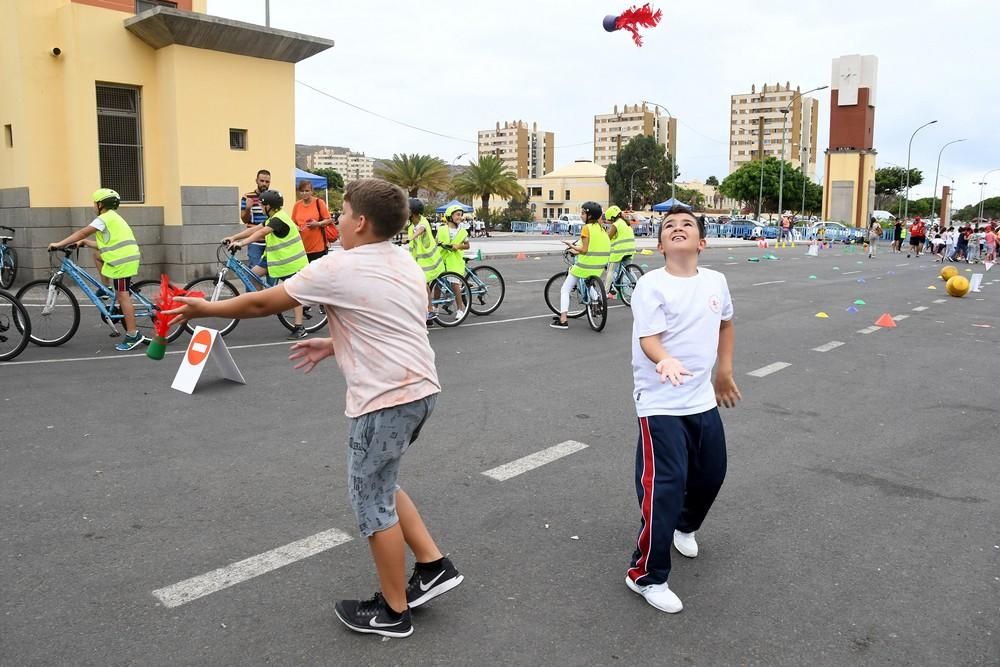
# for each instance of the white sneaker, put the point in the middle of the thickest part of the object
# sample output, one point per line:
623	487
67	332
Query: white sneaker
685	544
657	595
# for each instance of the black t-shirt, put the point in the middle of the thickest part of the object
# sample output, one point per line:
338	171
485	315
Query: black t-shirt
897	230
279	227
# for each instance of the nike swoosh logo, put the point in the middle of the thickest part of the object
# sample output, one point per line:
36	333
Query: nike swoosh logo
375	624
426	588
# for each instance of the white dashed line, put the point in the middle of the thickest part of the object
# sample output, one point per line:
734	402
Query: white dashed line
731	263
532	461
826	347
537	280
900	318
939	300
770	368
235	573
769	282
868	330
848	273
920	309
906	264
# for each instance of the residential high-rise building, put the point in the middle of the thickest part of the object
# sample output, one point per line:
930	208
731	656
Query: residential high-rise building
346	162
613	131
755	121
527	151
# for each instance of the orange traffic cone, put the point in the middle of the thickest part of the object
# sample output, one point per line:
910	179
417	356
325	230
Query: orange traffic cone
885	321
521	255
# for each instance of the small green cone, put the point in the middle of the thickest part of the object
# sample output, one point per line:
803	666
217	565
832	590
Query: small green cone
859	302
812	277
157	348
753	259
479	254
644	266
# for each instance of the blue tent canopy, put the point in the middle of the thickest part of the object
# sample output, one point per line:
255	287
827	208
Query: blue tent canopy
318	182
454	202
669	204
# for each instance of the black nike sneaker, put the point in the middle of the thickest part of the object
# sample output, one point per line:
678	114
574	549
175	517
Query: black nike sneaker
373	617
431	580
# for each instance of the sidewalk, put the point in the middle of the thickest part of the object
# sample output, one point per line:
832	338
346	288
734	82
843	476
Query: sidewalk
508	244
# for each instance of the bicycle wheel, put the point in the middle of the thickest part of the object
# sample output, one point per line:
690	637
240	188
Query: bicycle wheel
626	284
488	290
8	268
214	290
552	289
449	290
150	291
597	304
15	327
313	318
54	316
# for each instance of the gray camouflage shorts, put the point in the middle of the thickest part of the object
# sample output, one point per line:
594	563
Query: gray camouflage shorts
376	443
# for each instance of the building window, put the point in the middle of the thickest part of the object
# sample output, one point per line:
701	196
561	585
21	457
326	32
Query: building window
237	139
8	135
119	141
143	5
552	195
567	196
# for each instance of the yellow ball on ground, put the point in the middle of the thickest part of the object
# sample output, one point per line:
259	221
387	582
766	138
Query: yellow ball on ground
957	285
947	272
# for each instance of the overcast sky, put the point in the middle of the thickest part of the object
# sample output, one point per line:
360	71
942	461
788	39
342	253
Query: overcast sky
458	66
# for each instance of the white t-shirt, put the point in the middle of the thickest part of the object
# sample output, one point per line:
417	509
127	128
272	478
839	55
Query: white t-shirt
102	229
686	313
379	301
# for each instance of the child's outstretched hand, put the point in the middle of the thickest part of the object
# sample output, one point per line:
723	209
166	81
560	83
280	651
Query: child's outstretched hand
673	370
726	391
186	308
310	352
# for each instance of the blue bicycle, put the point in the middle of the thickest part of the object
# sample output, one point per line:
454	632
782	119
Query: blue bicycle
487	287
587	297
8	259
218	288
55	311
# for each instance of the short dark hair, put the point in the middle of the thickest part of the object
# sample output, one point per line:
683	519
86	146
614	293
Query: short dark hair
263	171
677	209
381	202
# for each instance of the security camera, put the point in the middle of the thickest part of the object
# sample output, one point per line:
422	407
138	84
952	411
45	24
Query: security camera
56	51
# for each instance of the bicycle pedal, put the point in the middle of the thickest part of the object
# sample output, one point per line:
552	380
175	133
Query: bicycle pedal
115	334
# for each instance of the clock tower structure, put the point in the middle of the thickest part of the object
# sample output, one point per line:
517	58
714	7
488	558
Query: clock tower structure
849	170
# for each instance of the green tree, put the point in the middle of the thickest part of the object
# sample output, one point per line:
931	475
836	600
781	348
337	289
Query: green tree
414	172
691	197
648	161
991	209
744	185
711	180
334	181
487	177
517	209
890	184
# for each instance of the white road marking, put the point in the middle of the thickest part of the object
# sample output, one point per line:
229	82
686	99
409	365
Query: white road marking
906	264
920	309
848	273
900	318
826	347
240	571
512	319
939	300
536	280
770	368
769	282
868	330
532	461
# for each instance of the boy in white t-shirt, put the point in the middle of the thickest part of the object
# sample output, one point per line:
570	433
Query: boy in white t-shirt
375	298
682	327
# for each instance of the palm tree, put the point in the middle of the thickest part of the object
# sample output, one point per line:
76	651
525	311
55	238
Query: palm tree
413	172
487	177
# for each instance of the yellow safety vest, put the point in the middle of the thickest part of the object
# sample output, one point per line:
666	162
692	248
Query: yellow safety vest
118	247
595	260
425	250
287	256
454	260
623	244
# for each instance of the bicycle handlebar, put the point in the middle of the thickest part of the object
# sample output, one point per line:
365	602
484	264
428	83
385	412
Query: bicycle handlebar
66	249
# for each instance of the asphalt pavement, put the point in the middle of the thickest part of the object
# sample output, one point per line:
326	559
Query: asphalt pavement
857	525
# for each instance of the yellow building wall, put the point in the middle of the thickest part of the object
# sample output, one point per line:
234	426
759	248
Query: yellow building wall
847	167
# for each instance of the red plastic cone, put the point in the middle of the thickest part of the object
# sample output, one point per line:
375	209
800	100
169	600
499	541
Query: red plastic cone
885	321
521	255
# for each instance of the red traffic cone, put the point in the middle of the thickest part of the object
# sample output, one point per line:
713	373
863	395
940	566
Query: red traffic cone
885	320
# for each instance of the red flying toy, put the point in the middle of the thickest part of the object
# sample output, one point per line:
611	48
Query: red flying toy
161	323
632	19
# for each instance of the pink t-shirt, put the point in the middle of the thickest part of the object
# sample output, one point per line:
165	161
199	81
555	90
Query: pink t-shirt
991	238
378	300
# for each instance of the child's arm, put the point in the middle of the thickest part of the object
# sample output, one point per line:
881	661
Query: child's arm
241	234
252	304
668	367
726	391
252	235
75	237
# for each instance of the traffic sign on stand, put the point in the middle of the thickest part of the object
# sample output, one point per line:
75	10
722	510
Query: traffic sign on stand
205	342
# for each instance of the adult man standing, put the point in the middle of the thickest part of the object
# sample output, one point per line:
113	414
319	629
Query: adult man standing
252	213
917	236
786	227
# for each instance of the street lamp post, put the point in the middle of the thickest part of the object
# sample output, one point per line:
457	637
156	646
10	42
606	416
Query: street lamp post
937	173
906	201
760	191
784	120
802	210
673	167
982	187
631	184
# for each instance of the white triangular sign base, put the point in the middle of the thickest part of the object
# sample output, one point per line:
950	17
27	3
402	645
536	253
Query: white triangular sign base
205	343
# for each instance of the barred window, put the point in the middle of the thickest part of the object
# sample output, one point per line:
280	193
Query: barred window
237	139
119	140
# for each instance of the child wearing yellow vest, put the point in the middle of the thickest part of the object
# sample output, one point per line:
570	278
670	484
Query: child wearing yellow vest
453	239
592	258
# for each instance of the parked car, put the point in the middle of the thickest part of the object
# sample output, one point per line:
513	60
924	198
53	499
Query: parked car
834	231
570	218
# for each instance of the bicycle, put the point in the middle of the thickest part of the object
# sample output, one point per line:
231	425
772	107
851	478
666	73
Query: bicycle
593	300
54	312
624	281
217	287
444	299
15	326
486	284
8	259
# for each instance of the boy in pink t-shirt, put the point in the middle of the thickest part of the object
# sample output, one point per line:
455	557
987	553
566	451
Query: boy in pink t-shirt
374	297
991	244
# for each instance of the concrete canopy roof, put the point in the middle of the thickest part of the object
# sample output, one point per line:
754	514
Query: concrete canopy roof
163	26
